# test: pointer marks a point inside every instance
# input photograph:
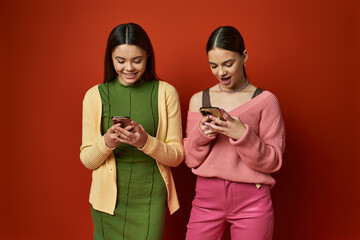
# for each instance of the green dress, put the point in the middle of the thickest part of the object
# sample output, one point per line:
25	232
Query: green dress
141	197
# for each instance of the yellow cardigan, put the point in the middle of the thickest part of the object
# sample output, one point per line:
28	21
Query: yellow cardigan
166	148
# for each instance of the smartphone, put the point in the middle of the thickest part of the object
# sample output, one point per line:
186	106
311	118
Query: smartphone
125	121
213	111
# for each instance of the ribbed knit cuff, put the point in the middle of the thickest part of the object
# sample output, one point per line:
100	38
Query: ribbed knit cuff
198	137
150	144
244	137
102	146
93	156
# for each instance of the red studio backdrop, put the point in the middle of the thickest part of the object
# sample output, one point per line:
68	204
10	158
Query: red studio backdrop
306	52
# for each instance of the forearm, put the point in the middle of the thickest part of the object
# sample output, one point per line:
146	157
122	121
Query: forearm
94	155
167	148
263	155
93	148
196	147
169	153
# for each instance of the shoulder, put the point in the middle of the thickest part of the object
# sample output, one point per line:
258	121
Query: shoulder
165	85
196	99
93	90
195	102
92	93
269	102
167	88
269	96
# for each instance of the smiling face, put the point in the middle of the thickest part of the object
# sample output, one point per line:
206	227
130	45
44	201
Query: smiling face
129	62
227	67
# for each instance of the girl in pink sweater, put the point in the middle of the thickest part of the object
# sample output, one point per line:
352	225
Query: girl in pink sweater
233	156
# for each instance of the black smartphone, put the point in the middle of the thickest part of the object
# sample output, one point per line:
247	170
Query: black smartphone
125	121
213	111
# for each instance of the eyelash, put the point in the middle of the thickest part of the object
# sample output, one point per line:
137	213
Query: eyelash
225	66
136	62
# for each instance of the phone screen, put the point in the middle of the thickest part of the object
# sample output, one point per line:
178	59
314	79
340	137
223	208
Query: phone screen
213	111
124	121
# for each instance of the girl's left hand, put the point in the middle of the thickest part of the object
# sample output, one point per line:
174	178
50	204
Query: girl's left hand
134	135
231	127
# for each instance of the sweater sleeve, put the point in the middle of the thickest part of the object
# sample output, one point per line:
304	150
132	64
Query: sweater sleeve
263	152
196	144
170	151
93	150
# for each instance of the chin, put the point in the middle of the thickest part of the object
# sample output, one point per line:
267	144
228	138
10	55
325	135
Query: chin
132	81
129	81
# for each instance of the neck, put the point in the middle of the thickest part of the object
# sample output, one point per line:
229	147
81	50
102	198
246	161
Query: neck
240	86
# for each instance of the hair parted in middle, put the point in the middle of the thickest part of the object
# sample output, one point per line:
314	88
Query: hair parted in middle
132	34
228	38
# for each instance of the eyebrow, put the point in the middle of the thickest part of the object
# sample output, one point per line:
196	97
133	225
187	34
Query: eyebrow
223	62
117	57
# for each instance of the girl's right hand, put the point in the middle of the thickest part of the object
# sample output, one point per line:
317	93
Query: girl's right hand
111	137
206	129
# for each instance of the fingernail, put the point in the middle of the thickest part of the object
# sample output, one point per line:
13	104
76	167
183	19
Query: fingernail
211	117
206	123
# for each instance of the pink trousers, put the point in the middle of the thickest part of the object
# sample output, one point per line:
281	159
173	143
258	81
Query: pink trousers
218	202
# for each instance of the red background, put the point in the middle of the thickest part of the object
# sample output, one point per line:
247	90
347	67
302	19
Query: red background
306	52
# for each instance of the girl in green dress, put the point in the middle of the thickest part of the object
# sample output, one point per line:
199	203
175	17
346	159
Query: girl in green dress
132	181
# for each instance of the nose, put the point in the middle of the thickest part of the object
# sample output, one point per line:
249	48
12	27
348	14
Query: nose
222	71
129	67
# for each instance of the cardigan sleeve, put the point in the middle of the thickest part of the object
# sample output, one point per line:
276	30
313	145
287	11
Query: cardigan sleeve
168	151
263	152
93	150
196	144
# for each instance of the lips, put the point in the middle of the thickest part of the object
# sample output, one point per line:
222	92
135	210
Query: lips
130	75
225	80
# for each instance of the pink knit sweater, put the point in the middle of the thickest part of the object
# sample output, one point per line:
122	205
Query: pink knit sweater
250	159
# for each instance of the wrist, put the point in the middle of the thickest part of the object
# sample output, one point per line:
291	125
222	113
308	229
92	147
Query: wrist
238	134
143	142
107	143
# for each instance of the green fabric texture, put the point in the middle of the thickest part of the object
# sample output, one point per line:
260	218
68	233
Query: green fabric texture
141	200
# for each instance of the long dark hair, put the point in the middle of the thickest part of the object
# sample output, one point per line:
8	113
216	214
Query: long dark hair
132	34
228	38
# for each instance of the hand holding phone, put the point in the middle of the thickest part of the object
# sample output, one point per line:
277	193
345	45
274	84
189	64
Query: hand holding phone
132	134
124	121
111	137
213	111
231	127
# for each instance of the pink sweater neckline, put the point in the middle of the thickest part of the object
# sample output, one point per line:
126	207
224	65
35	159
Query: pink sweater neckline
242	107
